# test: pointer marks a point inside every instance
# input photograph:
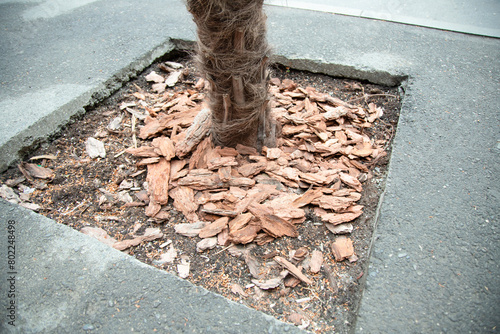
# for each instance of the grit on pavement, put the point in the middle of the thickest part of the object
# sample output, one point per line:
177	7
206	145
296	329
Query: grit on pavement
435	259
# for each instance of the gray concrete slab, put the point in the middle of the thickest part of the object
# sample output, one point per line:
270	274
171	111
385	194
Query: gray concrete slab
435	261
480	17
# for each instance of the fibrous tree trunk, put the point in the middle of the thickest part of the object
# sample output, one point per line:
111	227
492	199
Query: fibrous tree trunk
233	57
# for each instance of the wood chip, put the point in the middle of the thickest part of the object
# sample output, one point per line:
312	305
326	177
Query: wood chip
205	244
214	228
158	180
184	202
95	148
344	228
277	227
143	151
245	235
238	290
316	261
189	230
150	234
252	169
342	248
31	171
351	181
195	133
99	234
292	269
240	221
307	197
165	146
267	284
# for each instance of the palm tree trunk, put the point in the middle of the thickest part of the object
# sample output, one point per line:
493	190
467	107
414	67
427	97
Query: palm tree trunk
233	56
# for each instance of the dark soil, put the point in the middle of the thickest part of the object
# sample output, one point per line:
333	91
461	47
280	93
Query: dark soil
73	196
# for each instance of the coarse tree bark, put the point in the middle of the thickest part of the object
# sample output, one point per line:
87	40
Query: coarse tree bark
233	57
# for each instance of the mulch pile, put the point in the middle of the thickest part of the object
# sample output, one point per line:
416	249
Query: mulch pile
237	198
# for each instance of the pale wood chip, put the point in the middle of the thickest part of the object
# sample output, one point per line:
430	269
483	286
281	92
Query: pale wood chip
292	269
316	261
195	133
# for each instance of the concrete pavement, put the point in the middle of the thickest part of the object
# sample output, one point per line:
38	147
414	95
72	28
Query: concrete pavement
434	266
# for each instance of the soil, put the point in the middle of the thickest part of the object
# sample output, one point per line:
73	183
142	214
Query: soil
73	198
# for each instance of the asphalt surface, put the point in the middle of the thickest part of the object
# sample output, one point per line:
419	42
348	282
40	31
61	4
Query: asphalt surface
434	265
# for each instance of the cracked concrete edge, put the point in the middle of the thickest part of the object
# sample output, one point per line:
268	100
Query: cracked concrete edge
27	139
373	75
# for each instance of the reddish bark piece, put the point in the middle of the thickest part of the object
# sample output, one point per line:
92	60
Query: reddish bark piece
246	150
221	162
152	209
245	235
195	133
227	152
351	181
269	283
316	261
220	212
158	179
175	167
241	182
300	254
147	161
291	281
292	269
224	173
342	248
238	290
344	228
273	153
240	221
290	130
223	237
296	319
205	180
214	228
184	202
363	149
277	227
206	243
251	169
307	197
143	152
263	238
165	146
